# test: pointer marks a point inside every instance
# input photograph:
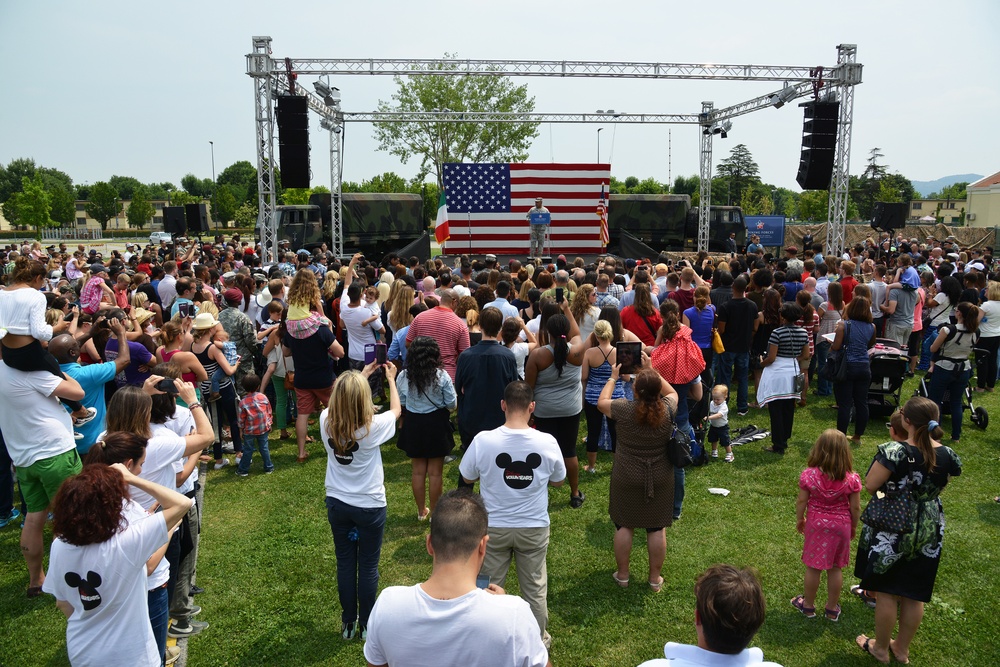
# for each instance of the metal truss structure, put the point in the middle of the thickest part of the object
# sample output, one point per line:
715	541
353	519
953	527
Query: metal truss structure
268	73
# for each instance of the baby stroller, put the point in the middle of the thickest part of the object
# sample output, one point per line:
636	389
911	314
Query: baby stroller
889	365
978	415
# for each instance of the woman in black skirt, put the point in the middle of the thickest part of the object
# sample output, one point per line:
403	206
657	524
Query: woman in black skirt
427	396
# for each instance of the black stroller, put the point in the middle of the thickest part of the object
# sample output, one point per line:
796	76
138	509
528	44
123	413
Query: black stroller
889	365
978	415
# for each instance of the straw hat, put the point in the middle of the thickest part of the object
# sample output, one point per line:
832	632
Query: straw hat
141	315
204	321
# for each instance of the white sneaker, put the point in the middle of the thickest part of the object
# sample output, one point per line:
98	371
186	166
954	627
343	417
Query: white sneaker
91	414
730	458
220	466
715	453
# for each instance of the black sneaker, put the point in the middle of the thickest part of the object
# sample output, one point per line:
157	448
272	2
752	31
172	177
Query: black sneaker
195	590
189	629
576	501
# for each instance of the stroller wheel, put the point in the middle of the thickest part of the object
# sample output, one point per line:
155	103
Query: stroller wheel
980	418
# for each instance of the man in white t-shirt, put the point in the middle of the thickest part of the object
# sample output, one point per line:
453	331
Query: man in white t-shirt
515	464
39	435
448	620
729	610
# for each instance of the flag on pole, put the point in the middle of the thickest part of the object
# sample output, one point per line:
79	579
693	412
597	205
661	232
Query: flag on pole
441	231
602	214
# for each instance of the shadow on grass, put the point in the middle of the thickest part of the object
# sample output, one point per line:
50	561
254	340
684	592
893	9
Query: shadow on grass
989	513
302	646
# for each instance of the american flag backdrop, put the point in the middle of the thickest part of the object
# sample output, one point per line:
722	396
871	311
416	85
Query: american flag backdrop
488	202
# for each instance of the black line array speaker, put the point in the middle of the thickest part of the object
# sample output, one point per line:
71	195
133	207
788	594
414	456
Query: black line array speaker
819	144
889	217
293	140
197	217
173	220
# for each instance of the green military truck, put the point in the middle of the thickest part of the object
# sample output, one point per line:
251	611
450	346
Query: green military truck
668	222
373	223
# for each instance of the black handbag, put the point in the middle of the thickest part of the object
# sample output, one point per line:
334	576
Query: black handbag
889	509
679	447
836	364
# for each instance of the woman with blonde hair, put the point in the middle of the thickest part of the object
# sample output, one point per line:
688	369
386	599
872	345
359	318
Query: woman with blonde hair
597	364
355	489
400	300
584	309
172	338
468	310
989	336
523	299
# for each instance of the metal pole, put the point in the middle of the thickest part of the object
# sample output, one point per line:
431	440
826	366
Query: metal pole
705	175
599	144
212	144
848	75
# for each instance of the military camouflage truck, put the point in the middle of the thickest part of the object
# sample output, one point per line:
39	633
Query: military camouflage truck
373	223
667	222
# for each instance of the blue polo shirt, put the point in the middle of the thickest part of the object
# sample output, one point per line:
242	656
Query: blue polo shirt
92	378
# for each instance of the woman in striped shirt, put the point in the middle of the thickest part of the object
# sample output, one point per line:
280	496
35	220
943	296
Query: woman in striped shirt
787	347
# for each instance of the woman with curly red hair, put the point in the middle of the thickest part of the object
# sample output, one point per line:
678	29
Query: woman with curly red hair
97	565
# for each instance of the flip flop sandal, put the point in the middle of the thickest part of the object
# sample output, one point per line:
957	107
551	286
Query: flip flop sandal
621	582
866	647
656	586
799	603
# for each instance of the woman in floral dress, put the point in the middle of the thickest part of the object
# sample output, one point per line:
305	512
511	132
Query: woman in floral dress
902	567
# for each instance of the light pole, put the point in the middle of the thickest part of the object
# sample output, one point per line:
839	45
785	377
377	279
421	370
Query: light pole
212	144
599	144
116	213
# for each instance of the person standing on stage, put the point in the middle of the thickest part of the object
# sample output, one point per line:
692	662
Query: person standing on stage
538	232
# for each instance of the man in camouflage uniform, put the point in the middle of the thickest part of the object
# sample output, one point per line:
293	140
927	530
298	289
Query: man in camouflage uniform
538	232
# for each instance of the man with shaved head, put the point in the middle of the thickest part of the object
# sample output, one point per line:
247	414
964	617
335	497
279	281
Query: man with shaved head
66	349
443	325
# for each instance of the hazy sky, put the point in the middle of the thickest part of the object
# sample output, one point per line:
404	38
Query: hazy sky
139	89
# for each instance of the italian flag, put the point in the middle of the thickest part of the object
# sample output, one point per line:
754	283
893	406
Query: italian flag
441	231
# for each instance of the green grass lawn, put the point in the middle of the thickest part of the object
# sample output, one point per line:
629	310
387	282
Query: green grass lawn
267	564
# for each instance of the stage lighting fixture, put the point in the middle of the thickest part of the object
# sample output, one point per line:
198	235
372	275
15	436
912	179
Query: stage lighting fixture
724	128
784	95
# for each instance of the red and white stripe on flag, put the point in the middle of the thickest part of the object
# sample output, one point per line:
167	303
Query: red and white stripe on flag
602	215
571	192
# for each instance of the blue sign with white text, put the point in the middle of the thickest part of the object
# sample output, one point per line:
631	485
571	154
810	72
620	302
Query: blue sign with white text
770	229
540	218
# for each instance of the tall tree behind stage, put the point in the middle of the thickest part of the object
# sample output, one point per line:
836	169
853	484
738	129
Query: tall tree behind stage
488	204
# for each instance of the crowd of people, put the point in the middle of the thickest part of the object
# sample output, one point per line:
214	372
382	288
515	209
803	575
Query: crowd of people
123	373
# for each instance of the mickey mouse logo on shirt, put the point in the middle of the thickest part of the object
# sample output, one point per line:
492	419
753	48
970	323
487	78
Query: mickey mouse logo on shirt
518	474
89	596
345	458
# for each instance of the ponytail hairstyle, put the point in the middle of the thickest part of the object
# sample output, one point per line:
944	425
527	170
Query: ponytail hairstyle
923	415
670	312
804	299
117	447
557	328
169	332
26	270
970	316
701	298
649	409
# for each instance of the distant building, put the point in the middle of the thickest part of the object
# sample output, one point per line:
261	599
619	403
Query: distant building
948	211
984	202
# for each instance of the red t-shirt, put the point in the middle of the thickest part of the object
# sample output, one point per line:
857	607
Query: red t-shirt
637	324
848	283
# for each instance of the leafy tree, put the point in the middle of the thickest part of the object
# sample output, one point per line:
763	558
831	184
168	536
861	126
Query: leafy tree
688	185
224	205
387	182
295	196
648	186
749	202
125	186
12	209
199	187
350	186
104	203
631	182
321	188
955	191
159	190
245	214
34	205
182	197
887	192
62	202
814	205
11	176
140	211
739	170
83	192
615	186
437	143
241	177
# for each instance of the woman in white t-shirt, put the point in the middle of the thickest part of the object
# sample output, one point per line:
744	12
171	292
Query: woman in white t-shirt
989	336
97	565
355	491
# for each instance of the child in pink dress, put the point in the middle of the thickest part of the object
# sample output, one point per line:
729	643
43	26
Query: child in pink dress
827	512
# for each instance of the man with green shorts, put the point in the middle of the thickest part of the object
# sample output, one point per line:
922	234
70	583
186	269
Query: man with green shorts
39	435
